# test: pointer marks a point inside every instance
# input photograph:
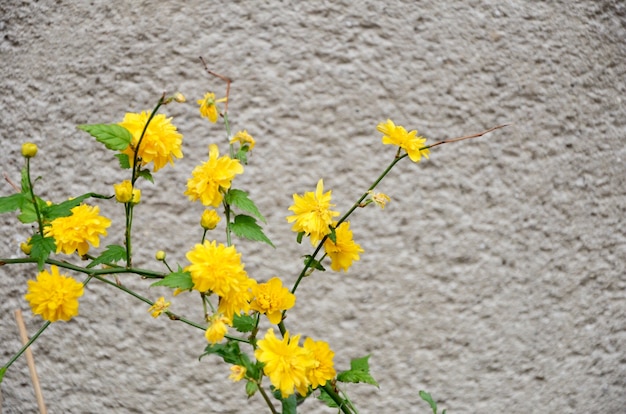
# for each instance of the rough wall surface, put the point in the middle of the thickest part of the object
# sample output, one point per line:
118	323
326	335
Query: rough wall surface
495	279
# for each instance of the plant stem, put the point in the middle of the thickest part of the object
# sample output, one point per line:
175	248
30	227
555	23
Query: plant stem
337	399
266	398
33	198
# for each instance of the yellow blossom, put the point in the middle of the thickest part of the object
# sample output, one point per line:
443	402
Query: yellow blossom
160	144
322	369
397	135
218	326
54	296
312	214
380	199
29	150
344	251
237	300
215	268
26	247
237	373
208	108
286	363
74	232
272	299
210	179
244	139
123	191
179	97
159	307
160	255
209	219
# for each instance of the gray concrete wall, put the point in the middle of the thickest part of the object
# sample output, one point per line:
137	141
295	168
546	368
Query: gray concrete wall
496	277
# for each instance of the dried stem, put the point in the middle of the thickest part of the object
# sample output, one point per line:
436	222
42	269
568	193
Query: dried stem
222	77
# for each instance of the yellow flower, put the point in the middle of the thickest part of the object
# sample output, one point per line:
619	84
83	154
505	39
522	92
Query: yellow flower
397	135
237	300
74	232
215	268
29	150
210	179
218	326
160	144
286	363
209	219
345	251
208	109
54	296
380	199
244	139
123	191
26	247
159	307
237	373
160	255
312	214
322	369
272	299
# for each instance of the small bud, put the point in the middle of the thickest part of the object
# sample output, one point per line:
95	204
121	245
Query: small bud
29	150
26	247
160	255
136	196
179	97
123	191
209	219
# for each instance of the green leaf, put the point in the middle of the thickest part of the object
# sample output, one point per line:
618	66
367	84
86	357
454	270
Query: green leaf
64	209
41	249
300	237
246	227
229	352
28	213
290	404
124	161
429	399
146	174
3	370
332	236
11	203
359	372
327	399
242	155
244	323
176	280
113	254
314	264
24	181
240	199
113	136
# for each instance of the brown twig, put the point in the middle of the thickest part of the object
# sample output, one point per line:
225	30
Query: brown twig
480	134
222	77
11	183
30	361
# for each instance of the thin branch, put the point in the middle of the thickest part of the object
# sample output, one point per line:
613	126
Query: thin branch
11	183
480	134
222	77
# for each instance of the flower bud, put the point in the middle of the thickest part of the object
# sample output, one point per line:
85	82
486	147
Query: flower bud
179	97
160	255
209	219
123	191
29	150
26	246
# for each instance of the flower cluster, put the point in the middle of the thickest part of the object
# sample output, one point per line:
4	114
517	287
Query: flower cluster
54	296
291	367
408	141
161	141
76	231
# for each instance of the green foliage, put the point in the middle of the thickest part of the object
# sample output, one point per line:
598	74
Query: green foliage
332	235
246	227
64	209
124	161
176	280
144	173
290	404
113	254
313	263
244	323
113	136
41	249
359	372
251	388
327	399
11	203
240	199
429	399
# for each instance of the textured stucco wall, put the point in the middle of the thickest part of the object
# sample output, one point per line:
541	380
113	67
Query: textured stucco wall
496	277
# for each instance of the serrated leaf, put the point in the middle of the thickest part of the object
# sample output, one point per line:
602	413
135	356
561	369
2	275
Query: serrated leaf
358	372
11	203
41	249
146	174
240	199
113	136
229	352
245	226
27	213
327	399
64	209
332	235
244	323
124	161
313	264
176	280
113	254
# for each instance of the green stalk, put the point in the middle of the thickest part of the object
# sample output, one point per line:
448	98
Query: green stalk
32	196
